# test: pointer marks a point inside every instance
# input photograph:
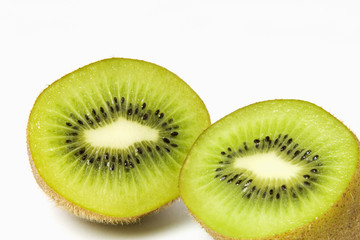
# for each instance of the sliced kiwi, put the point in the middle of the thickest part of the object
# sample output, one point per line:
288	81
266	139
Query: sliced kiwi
281	169
107	141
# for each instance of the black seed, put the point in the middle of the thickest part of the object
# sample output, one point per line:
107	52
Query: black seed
267	139
164	124
277	196
126	163
102	110
294	195
229	149
145	116
296	153
68	141
221	162
253	189
139	150
90	122
93	112
75	128
288	152
84	157
240	151
111	109
223	178
248	183
69	124
113	158
264	194
106	156
307	183
166	140
117	107
97	118
277	140
306	176
289	141
157	148
314	170
218	169
229	156
112	167
283	187
256	141
161	115
82	151
216	176
170	120
137	161
236	176
91	160
245	147
80	122
129	111
122	100
143	106
98	159
73	134
316	157
282	148
136	111
300	189
248	196
174	134
176	127
285	137
168	150
174	145
230	180
271	192
115	100
238	182
223	153
157	112
149	149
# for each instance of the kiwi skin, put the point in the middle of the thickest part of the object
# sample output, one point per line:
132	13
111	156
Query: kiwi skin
340	222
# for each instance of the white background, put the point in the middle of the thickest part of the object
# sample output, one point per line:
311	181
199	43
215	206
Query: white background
232	53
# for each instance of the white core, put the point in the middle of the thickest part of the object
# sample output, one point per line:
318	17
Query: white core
120	134
268	165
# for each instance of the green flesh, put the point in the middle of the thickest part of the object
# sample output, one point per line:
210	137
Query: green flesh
115	181
223	183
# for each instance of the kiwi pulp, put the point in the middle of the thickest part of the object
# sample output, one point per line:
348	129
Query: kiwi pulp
280	169
107	141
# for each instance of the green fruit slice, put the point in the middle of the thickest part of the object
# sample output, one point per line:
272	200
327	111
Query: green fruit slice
281	169
107	141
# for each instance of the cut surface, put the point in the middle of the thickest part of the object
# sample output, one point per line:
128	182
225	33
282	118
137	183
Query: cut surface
268	166
120	134
268	169
111	137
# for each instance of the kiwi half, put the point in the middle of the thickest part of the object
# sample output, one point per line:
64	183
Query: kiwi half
280	169
107	141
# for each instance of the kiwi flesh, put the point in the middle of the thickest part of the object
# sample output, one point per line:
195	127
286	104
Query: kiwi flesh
279	169
107	141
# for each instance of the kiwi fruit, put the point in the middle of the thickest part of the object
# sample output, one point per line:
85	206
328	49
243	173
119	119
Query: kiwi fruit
278	169
107	141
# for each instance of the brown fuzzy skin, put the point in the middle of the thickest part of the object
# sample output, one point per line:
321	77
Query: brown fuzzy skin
79	211
340	222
